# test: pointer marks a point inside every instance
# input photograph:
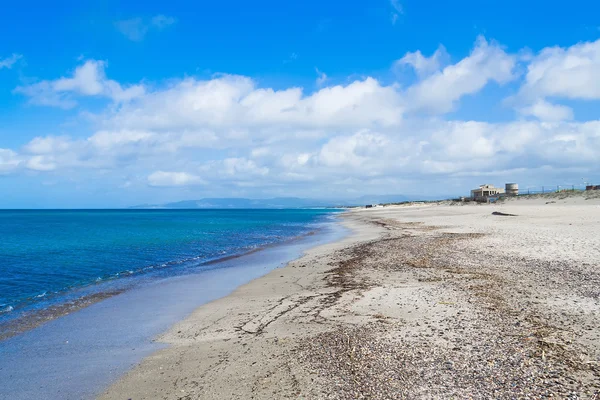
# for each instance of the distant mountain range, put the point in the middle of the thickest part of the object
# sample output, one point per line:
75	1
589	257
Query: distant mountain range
278	202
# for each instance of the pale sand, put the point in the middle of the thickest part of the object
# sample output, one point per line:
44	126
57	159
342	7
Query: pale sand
427	301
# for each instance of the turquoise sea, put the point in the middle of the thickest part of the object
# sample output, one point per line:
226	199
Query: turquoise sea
54	256
85	293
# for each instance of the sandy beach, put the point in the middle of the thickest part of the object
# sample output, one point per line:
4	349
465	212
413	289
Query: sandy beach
420	301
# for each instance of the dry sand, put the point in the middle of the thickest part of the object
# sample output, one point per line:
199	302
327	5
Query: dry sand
427	301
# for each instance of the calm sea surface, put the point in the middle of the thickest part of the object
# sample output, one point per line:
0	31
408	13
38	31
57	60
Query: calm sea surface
48	257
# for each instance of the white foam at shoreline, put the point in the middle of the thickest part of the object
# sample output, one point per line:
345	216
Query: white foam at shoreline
6	309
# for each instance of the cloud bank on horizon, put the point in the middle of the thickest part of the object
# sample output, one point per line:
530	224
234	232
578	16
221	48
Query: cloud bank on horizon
229	134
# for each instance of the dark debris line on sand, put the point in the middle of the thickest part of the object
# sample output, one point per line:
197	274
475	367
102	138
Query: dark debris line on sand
494	347
503	214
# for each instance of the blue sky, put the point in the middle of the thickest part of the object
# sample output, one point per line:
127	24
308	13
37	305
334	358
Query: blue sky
118	103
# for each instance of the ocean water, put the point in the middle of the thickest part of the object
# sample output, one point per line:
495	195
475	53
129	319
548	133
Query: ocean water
81	353
56	256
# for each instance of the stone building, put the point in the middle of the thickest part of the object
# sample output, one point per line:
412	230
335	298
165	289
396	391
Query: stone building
486	191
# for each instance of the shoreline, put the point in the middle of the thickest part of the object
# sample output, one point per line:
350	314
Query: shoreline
213	312
428	301
118	332
68	301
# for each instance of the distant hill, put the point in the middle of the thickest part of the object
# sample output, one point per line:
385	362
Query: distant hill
277	202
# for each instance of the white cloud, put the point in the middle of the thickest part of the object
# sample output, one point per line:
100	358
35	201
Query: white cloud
397	10
242	166
48	145
135	29
546	111
110	140
10	61
451	147
43	94
424	66
572	72
162	21
228	133
423	149
235	104
321	77
41	163
88	79
352	151
439	92
9	161
559	73
166	179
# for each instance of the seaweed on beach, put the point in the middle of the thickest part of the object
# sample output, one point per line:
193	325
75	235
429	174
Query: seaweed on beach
502	350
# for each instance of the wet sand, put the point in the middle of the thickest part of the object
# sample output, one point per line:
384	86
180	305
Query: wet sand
426	301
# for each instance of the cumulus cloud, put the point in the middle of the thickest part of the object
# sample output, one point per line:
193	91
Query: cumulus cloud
424	66
236	104
353	151
229	132
546	111
572	72
48	145
242	166
166	179
420	150
560	73
41	163
438	93
135	29
9	161
88	79
10	61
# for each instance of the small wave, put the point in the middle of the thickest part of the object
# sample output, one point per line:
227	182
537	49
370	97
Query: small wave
4	310
41	295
